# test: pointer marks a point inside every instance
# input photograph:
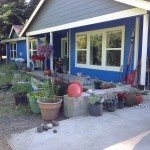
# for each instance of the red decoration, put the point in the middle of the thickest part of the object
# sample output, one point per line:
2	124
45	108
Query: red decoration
74	89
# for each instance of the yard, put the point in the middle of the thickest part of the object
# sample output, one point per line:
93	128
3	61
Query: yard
14	119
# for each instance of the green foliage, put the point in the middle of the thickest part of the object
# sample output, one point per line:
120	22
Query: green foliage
14	12
22	88
95	99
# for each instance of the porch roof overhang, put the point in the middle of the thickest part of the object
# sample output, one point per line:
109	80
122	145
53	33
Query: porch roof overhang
136	3
90	21
13	40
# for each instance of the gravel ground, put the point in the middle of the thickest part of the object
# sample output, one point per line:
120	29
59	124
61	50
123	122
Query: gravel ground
15	119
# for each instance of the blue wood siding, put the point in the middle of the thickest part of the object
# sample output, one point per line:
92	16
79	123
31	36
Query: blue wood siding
58	12
21	47
101	74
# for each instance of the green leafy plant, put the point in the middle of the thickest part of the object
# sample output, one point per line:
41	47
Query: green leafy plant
22	88
53	90
95	99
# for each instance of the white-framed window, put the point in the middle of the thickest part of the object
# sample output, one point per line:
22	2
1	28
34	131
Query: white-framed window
32	47
13	50
100	49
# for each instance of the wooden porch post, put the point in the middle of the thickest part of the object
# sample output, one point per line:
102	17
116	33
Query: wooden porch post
136	47
27	50
51	57
144	48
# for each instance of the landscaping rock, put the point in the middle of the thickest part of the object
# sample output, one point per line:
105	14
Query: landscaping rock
50	126
45	127
40	128
55	123
54	131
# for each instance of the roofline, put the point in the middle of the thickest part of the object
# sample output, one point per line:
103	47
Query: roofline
12	31
12	40
31	17
136	3
108	17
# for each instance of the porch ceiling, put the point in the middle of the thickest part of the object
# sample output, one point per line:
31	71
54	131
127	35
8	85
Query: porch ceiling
144	4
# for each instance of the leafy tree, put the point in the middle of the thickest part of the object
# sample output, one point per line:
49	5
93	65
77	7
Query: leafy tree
14	12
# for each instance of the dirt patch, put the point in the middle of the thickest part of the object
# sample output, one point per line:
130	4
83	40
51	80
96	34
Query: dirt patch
15	119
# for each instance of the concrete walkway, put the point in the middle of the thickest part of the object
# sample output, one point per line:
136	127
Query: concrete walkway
125	129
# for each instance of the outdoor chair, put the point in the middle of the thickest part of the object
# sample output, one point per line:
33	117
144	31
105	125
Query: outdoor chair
37	62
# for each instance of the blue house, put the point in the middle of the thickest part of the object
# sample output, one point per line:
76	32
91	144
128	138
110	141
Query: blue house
95	35
15	45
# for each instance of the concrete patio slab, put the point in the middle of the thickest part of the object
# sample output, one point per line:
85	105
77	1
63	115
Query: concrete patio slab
124	129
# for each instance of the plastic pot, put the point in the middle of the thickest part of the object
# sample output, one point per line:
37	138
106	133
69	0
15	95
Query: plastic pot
96	110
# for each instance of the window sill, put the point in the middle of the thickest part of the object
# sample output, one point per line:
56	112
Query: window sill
104	68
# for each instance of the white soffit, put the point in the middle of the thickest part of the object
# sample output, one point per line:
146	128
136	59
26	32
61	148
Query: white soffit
136	3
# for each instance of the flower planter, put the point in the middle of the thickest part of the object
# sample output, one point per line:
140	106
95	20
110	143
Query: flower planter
120	104
96	110
33	104
49	111
104	87
130	99
138	99
111	105
20	99
97	85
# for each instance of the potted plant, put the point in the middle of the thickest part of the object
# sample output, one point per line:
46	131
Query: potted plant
51	104
45	50
131	96
97	84
121	99
138	98
33	97
111	101
21	90
95	105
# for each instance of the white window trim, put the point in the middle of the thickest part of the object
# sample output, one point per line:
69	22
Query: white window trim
103	66
32	40
13	50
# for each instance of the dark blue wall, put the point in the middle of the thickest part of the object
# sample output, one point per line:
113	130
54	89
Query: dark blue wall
101	74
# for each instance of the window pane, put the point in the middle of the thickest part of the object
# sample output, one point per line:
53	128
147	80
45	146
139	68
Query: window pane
11	54
30	45
34	52
81	57
114	39
30	54
34	45
15	54
81	42
14	46
95	49
113	57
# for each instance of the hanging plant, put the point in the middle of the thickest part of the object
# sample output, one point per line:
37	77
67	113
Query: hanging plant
45	51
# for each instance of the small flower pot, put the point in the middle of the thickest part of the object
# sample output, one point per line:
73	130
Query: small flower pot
138	99
47	72
20	99
96	110
104	87
111	105
97	85
120	104
130	101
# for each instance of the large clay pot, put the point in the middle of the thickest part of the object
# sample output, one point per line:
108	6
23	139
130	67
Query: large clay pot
138	99
74	89
49	111
47	72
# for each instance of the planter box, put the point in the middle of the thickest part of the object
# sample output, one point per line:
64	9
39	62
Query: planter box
75	106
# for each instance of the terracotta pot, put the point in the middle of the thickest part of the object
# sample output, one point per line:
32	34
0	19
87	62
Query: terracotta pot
104	87
47	72
138	99
49	111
